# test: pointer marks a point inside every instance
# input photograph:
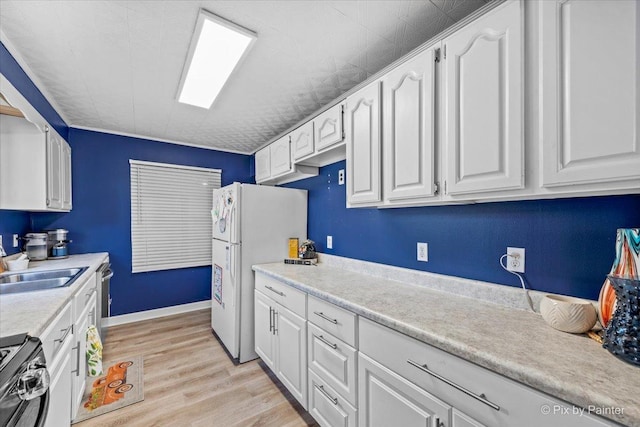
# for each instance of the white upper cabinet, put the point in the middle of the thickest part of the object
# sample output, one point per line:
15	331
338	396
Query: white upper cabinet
483	96
263	164
66	176
280	156
362	121
408	123
589	91
302	141
328	128
54	171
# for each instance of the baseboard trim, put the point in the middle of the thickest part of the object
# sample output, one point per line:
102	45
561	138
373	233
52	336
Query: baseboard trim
154	314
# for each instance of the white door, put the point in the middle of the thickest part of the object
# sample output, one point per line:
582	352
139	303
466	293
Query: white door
54	170
59	414
226	213
280	156
79	361
408	122
263	164
590	108
225	310
263	327
328	127
291	352
483	129
362	122
66	176
386	399
302	141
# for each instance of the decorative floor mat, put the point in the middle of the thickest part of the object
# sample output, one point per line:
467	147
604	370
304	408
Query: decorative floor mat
120	386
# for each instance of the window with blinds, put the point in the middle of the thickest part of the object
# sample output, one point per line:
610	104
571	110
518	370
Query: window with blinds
171	215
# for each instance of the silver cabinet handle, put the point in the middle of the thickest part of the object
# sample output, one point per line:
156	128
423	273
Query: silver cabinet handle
325	317
324	340
275	317
270	319
482	398
327	395
77	370
274	290
64	336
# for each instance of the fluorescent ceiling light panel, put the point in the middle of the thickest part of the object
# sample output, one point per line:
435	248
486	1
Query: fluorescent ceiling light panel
216	49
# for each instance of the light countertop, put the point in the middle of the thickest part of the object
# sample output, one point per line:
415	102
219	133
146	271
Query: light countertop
513	342
31	312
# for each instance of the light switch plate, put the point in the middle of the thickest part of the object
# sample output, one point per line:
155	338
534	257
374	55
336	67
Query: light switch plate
329	242
15	240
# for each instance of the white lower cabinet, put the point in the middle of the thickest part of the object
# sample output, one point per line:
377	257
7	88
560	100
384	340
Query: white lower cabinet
387	399
327	406
281	334
84	310
57	341
475	395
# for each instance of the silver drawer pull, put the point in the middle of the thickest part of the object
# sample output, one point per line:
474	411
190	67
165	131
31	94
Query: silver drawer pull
325	317
276	291
324	340
482	398
64	336
327	395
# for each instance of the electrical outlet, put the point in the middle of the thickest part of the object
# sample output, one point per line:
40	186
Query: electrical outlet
515	259
341	177
423	252
15	240
329	242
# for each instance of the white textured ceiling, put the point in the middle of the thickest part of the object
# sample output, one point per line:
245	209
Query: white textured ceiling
116	65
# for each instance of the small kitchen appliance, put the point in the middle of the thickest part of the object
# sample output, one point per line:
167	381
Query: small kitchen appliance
57	243
36	246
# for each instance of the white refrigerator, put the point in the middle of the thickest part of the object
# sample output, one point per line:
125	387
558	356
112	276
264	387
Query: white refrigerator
252	224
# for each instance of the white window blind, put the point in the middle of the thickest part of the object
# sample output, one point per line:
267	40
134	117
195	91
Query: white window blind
171	222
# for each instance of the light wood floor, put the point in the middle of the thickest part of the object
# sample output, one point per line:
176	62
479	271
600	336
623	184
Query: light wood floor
190	381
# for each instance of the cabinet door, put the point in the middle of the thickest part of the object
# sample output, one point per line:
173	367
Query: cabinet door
263	329
280	156
328	127
291	352
263	164
589	102
54	170
387	399
59	414
483	103
66	176
79	361
363	146
459	419
408	123
302	141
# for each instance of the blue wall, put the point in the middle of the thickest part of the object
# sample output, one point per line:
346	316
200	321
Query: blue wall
13	222
570	243
101	217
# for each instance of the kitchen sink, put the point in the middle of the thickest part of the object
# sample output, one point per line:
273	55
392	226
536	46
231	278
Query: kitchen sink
39	280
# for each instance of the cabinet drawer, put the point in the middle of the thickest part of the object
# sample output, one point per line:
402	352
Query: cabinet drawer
335	320
57	334
83	296
515	403
334	361
327	407
287	296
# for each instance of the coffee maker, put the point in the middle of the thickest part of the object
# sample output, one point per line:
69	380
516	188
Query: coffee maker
57	244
